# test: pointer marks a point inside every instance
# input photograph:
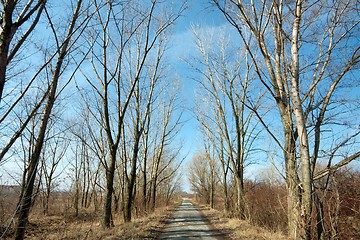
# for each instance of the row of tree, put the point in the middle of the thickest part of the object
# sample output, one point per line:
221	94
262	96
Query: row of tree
107	58
282	79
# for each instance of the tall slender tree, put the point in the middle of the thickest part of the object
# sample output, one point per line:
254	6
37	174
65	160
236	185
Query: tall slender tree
62	50
226	84
124	36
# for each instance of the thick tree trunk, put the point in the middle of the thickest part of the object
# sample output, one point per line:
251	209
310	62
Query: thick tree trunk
306	199
129	201
107	221
292	179
131	179
240	198
26	201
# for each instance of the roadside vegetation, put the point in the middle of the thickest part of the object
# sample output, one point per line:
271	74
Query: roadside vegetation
234	228
65	222
266	207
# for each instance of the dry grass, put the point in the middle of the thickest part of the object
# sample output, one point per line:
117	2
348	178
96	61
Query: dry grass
87	226
239	229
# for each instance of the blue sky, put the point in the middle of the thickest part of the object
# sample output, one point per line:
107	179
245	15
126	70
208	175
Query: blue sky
182	47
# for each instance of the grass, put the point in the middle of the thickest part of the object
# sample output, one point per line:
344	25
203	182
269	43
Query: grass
87	226
238	229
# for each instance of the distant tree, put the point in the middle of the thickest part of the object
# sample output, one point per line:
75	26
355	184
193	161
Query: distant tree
202	177
54	150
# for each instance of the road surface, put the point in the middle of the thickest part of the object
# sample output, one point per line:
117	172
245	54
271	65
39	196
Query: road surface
187	223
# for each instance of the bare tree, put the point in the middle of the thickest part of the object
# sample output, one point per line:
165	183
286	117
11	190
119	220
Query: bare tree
223	107
88	155
166	128
123	38
154	123
301	44
55	147
63	50
14	15
202	176
139	113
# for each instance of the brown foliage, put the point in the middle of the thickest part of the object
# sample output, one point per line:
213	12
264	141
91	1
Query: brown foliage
341	204
266	205
339	196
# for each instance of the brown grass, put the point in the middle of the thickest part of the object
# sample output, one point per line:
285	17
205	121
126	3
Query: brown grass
238	229
87	226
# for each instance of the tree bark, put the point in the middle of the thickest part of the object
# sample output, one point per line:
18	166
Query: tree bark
131	180
107	220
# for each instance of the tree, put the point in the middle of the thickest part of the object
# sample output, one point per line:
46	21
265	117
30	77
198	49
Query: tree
309	50
18	21
202	176
121	42
88	157
55	147
166	125
222	108
11	39
62	50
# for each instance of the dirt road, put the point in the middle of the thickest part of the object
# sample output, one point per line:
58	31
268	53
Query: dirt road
187	223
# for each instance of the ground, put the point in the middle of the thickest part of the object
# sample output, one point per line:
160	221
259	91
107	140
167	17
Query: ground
181	221
187	222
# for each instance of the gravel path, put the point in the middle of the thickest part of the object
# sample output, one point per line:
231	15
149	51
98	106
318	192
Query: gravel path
187	223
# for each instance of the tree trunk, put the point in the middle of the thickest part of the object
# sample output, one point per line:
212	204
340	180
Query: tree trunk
240	200
226	196
144	200
153	195
131	179
107	221
26	201
292	179
306	199
212	194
